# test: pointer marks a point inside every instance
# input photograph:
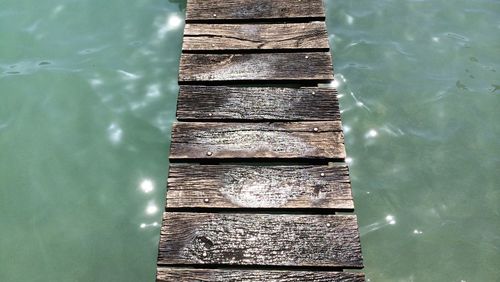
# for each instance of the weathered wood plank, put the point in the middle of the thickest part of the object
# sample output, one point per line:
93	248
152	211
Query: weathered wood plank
311	35
203	10
282	140
316	66
166	274
237	186
257	103
260	239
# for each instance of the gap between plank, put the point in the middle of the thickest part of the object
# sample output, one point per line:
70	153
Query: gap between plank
242	161
255	51
257	21
274	211
255	267
258	83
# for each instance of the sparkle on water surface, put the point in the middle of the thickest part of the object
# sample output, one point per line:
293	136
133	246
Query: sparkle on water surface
420	116
88	91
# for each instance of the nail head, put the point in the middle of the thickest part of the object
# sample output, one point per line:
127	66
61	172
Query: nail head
322	174
206	200
209	154
316	129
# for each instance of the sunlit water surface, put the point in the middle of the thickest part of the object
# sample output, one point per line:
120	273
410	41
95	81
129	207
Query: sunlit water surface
420	88
87	98
88	92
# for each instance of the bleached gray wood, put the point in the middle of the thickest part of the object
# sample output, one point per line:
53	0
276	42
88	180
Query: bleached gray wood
206	10
168	274
257	103
260	239
279	140
202	37
244	186
312	66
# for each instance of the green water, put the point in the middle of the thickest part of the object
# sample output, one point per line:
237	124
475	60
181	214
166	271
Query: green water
421	107
88	92
87	97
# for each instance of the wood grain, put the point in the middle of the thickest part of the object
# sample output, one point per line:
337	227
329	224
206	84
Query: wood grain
257	103
239	186
280	140
316	66
204	10
311	35
260	239
166	274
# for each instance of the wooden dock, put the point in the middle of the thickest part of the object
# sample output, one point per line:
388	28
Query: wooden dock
258	175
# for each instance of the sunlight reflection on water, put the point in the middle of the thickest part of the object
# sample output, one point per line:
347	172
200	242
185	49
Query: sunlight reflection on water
416	107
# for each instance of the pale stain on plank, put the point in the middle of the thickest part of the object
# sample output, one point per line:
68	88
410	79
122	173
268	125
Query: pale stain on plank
240	186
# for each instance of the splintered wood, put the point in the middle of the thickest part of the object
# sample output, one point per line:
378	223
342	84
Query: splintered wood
203	37
258	151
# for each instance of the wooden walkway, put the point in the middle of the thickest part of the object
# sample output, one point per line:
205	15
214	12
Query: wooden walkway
257	154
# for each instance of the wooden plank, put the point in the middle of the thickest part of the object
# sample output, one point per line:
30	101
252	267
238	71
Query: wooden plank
260	239
282	140
311	35
237	186
203	10
315	66
257	103
168	274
